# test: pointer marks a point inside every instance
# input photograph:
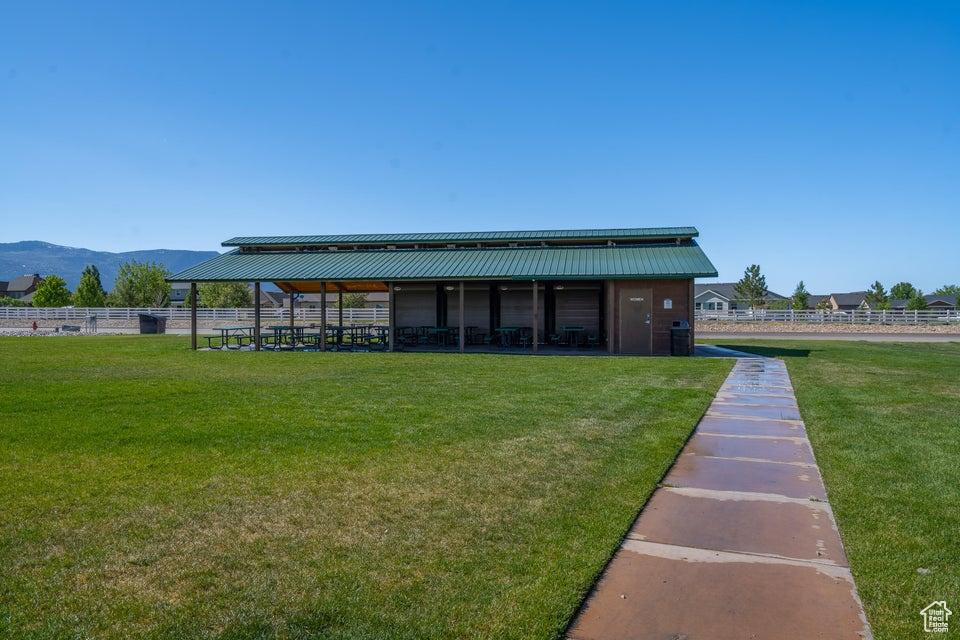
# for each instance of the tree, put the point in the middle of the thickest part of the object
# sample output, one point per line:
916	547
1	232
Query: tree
352	301
90	291
877	297
752	287
51	292
224	295
902	291
948	290
801	297
917	302
7	301
140	284
824	304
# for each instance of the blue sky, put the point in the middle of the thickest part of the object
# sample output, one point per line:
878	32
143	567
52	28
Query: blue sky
820	140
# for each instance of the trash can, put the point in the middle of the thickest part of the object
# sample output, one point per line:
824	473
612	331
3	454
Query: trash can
680	338
150	323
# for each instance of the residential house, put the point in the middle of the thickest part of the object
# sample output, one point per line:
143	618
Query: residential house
22	288
935	302
179	294
814	300
722	296
849	301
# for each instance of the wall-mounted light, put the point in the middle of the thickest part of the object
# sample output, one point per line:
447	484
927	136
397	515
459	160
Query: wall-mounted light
449	287
558	287
396	288
503	287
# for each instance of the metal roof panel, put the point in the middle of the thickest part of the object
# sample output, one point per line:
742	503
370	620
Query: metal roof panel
685	260
652	233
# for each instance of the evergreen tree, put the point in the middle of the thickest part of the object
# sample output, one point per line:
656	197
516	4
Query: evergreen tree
801	297
90	291
51	292
752	287
948	290
877	297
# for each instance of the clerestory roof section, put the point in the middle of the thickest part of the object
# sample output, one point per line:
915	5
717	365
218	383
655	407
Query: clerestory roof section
372	240
678	259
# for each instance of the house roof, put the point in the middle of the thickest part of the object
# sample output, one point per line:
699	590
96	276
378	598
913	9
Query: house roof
727	291
852	299
652	260
24	283
932	299
371	240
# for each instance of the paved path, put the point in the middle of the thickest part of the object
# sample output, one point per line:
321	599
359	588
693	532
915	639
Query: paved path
739	542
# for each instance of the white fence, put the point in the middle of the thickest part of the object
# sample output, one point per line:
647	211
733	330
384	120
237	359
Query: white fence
350	316
858	316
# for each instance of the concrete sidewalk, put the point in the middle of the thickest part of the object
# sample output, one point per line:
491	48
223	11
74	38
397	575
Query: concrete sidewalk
739	542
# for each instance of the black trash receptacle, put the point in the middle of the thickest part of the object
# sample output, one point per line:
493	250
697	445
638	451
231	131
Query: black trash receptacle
150	323
680	338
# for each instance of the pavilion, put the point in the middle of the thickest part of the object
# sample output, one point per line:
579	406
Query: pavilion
621	289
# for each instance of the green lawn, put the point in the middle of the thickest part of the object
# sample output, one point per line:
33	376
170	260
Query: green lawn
151	491
884	420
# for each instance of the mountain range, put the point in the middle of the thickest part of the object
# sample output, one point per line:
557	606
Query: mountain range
34	256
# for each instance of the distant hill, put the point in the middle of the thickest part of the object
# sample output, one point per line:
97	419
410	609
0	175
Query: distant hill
33	256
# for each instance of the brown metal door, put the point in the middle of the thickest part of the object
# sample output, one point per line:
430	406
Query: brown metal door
636	308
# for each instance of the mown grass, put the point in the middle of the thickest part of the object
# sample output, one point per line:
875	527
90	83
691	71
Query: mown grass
151	491
884	421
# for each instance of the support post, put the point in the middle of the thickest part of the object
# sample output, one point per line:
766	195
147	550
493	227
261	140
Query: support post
256	316
340	305
391	316
613	340
292	296
536	312
323	316
463	330
193	316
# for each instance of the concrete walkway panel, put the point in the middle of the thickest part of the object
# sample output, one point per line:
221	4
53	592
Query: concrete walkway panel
732	425
728	474
753	411
741	522
796	450
646	597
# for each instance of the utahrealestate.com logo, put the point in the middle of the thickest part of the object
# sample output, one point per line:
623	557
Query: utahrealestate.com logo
935	617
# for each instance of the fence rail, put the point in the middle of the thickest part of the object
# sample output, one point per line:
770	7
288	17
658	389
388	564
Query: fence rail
371	316
858	316
350	316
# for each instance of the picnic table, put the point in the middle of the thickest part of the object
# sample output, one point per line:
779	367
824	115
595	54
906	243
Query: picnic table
573	335
506	335
239	333
284	333
439	334
358	334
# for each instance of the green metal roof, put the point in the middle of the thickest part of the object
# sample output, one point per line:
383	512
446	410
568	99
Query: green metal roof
683	260
652	234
